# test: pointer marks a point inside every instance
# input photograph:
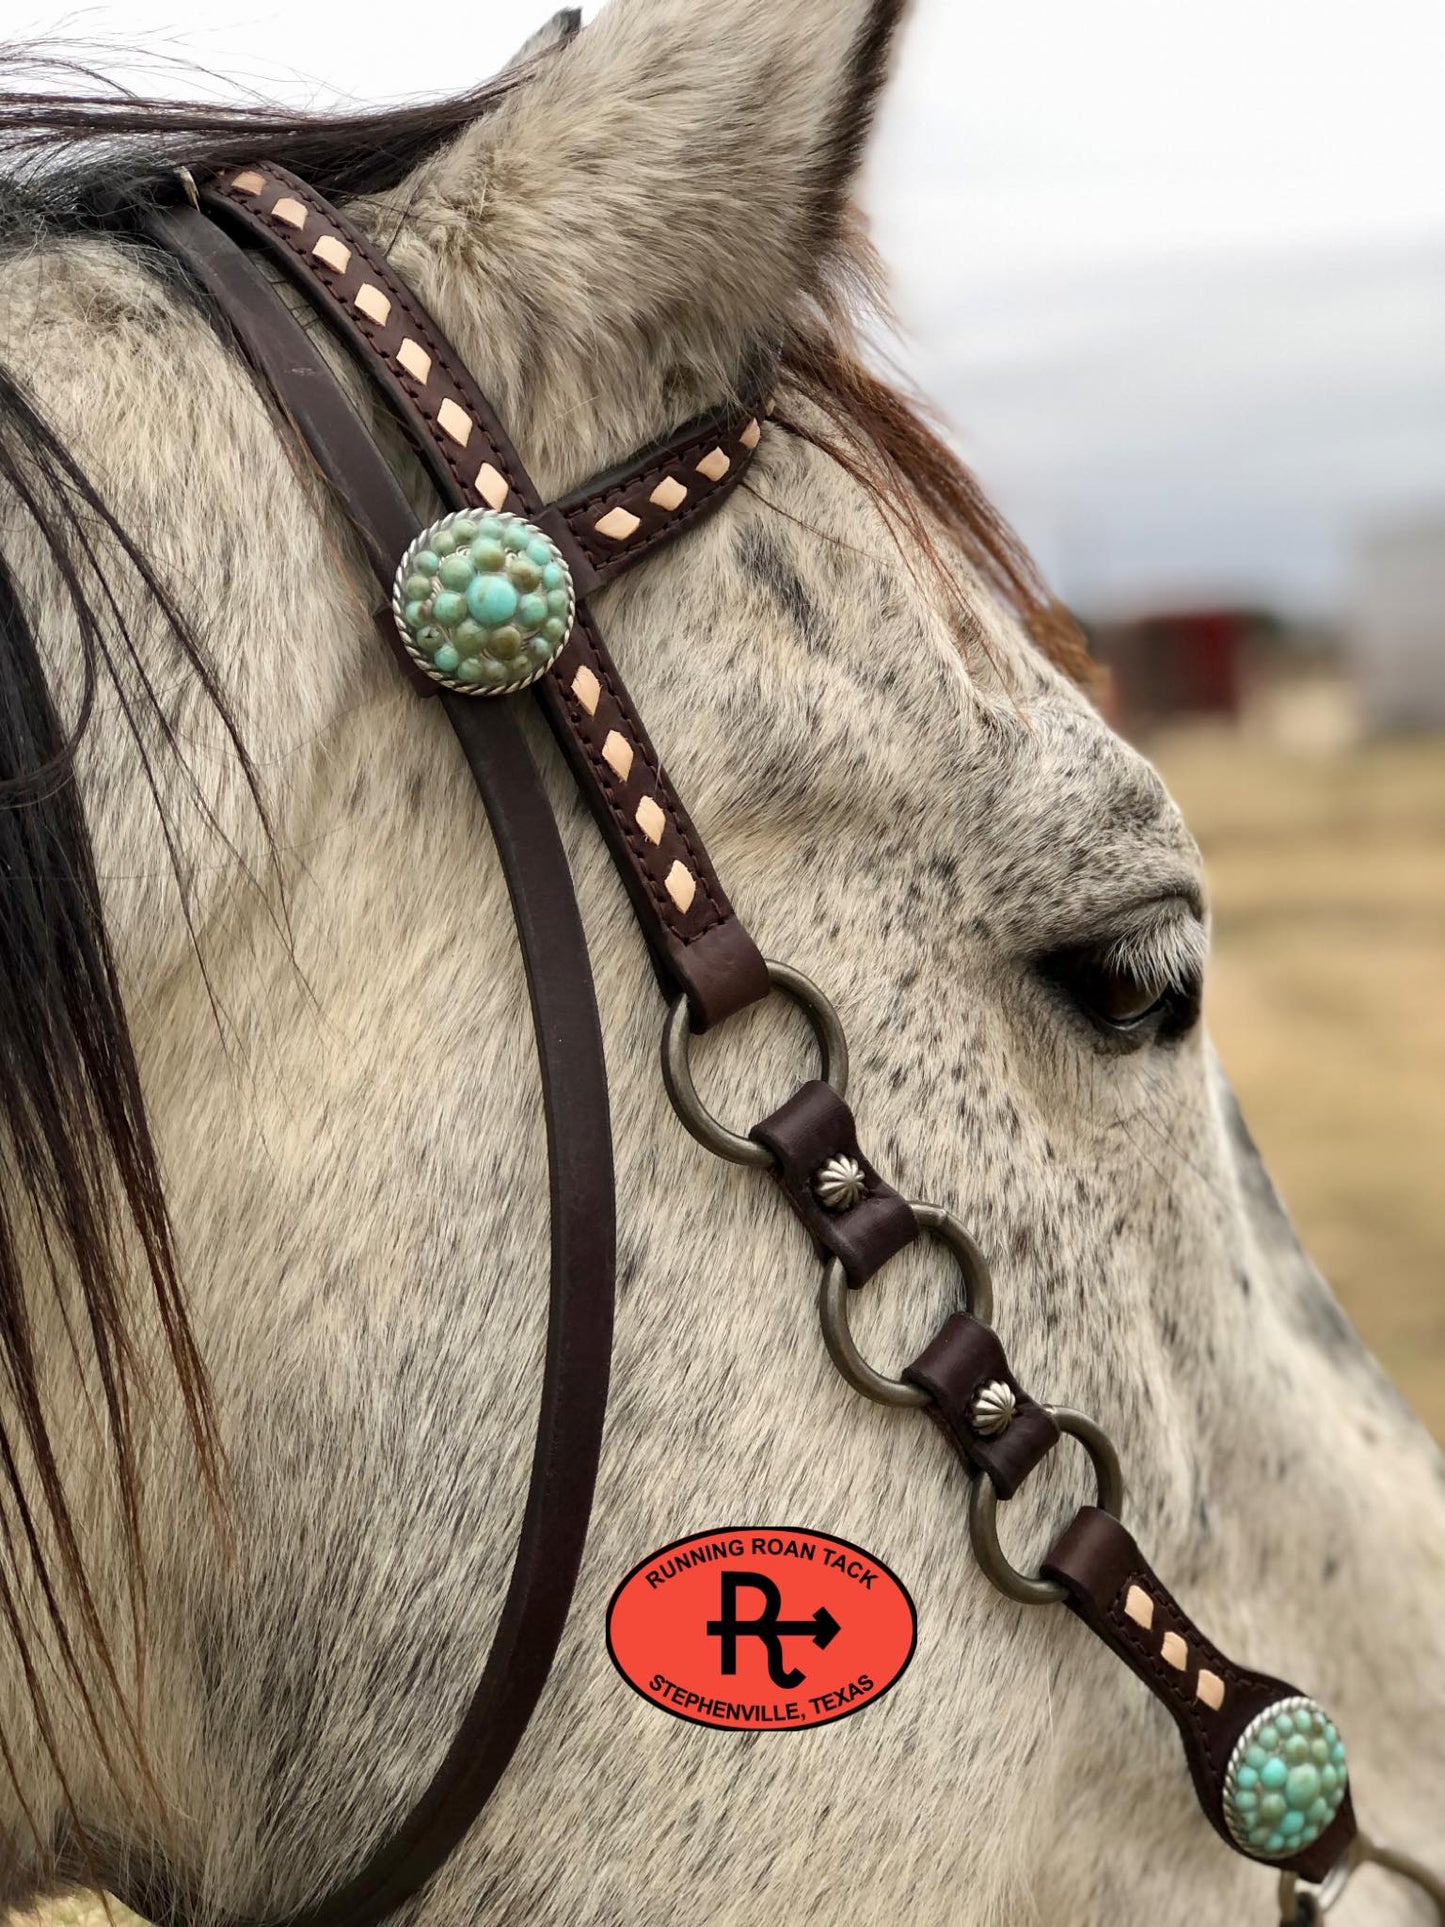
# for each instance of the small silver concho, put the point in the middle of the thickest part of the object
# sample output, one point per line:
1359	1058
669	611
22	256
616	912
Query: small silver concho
840	1183
993	1410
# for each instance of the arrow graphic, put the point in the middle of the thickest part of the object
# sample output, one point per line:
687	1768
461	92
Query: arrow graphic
821	1628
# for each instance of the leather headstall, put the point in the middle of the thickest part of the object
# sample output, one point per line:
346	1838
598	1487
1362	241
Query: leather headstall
1268	1765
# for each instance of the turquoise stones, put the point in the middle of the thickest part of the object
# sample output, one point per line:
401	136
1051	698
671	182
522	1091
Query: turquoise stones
1286	1779
490	600
484	602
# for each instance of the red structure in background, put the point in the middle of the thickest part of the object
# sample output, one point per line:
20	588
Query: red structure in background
1188	662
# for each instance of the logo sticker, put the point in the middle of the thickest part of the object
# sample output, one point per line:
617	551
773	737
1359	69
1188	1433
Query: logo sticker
755	1628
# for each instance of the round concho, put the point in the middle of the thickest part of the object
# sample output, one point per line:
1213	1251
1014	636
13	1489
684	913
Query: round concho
1286	1779
484	602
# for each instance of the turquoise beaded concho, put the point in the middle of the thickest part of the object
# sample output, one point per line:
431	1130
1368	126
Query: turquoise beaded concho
484	602
1286	1779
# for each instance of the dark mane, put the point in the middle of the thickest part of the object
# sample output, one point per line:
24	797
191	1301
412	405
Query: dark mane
72	161
82	1187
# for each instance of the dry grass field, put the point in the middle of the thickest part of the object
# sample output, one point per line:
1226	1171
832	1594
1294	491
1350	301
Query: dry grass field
1327	999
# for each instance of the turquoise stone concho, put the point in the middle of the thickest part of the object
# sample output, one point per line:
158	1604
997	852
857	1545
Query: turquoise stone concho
1286	1779
484	602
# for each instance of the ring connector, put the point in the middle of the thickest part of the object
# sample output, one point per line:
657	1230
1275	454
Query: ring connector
712	1134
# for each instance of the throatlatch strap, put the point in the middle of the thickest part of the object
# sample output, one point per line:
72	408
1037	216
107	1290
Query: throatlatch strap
698	944
579	1139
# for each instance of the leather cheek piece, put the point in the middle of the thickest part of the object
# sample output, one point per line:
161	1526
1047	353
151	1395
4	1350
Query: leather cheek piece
803	1134
1113	1589
965	1357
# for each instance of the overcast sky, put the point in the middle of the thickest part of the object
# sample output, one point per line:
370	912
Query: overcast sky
1176	274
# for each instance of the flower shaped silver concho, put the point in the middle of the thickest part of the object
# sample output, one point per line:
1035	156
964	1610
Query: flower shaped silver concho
840	1183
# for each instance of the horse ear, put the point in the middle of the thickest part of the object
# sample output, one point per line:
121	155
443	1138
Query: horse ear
663	192
551	35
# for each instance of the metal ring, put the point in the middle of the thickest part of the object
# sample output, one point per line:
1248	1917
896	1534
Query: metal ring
833	1309
1298	1905
677	1066
1361	1852
1032	1589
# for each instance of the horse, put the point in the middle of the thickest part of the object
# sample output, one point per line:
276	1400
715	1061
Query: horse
274	1229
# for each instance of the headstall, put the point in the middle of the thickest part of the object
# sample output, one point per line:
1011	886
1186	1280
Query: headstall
493	600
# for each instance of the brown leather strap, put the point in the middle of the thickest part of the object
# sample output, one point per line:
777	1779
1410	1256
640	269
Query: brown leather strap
312	404
815	1128
803	1134
579	1142
664	489
1116	1593
698	945
964	1360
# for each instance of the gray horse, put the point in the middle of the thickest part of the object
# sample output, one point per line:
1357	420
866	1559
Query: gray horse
262	1030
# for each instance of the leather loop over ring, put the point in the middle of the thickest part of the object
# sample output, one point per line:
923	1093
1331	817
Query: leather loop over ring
677	1066
1032	1589
833	1309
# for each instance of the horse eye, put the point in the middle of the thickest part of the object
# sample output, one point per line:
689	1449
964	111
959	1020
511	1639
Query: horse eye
1116	997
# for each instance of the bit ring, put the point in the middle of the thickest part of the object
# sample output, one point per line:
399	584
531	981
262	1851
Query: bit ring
1304	1907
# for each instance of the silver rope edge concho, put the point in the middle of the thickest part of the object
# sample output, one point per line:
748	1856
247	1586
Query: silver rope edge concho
549	633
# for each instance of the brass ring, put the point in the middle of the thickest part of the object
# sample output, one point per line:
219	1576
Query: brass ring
1361	1852
1032	1589
833	1309
677	1066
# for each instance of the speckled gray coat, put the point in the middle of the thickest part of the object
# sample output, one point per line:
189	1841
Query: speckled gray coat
355	1159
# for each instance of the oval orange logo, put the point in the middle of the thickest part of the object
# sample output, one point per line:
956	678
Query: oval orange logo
760	1628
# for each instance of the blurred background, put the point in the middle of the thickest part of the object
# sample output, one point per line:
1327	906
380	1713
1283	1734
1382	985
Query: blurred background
1175	278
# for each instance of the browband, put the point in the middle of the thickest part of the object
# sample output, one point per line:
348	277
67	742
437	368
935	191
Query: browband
700	950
